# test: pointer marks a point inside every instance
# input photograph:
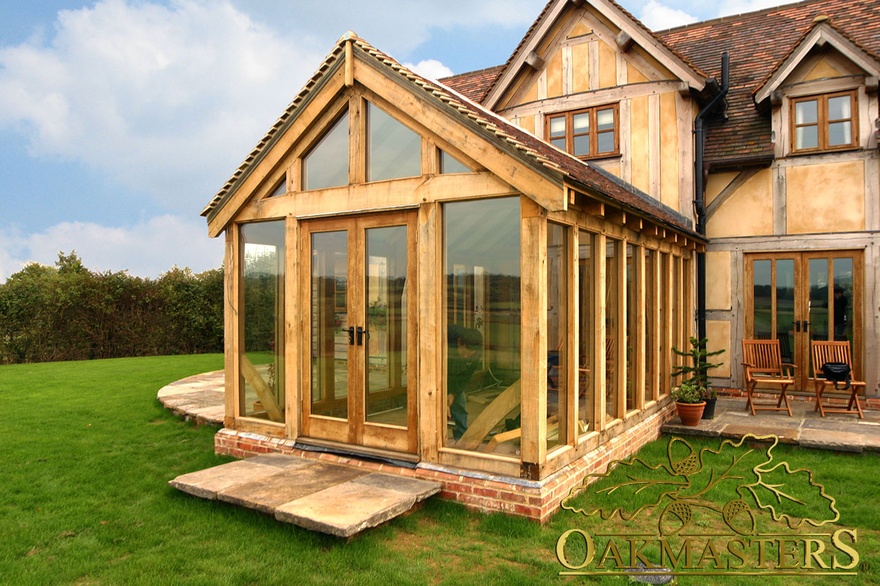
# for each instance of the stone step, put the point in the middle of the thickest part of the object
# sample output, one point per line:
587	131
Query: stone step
315	495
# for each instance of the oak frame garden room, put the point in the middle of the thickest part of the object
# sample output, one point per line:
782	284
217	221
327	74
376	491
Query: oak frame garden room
389	240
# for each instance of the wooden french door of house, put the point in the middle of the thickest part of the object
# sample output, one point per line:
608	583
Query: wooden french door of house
358	278
798	297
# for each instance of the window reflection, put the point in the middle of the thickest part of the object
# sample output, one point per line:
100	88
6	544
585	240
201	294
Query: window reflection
326	165
482	274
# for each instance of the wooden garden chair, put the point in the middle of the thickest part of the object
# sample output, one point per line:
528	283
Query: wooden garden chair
824	351
762	361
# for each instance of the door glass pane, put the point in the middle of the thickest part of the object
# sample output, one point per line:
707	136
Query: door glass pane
326	165
665	320
262	346
393	150
482	268
329	324
785	329
612	352
386	343
819	299
843	299
586	289
557	335
762	292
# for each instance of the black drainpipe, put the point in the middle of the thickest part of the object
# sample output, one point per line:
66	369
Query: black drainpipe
699	189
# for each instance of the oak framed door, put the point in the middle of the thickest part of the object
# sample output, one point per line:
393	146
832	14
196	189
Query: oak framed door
798	297
358	285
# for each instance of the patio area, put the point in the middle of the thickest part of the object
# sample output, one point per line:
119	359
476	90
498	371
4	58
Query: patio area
846	433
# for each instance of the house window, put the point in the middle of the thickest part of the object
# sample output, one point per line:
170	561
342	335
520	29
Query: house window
326	165
588	133
823	123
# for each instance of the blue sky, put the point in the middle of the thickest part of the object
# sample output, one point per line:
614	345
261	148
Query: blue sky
120	119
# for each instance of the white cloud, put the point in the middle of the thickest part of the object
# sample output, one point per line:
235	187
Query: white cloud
658	16
430	68
164	99
145	249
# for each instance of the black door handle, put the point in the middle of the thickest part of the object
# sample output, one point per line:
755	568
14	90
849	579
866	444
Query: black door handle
361	332
351	336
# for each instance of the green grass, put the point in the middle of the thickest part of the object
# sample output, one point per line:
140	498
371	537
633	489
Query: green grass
87	452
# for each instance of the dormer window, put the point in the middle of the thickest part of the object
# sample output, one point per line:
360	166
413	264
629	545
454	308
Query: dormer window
824	123
588	134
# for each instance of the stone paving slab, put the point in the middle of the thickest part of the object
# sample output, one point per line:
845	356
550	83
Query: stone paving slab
320	496
349	508
198	397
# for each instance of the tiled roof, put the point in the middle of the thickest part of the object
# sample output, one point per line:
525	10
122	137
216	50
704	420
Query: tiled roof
474	84
757	43
523	144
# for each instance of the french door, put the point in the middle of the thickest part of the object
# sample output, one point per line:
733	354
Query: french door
798	297
358	281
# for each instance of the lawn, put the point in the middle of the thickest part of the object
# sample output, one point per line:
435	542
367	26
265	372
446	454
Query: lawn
88	452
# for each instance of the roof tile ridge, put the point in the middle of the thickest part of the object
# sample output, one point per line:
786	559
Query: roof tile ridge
734	17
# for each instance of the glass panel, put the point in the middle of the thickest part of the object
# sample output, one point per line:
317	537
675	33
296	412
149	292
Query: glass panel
808	137
329	324
557	335
631	333
785	308
582	145
280	189
605	142
558	143
326	165
839	108
650	312
612	352
386	290
663	332
482	268
449	164
557	127
586	289
807	112
581	122
819	299
262	346
839	134
393	150
843	295
762	292
605	119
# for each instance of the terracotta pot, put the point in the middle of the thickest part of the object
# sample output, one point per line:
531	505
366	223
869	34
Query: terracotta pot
690	413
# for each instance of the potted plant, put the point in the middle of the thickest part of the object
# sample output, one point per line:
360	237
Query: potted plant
695	372
689	403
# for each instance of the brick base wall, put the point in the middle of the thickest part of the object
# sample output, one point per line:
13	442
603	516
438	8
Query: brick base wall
483	492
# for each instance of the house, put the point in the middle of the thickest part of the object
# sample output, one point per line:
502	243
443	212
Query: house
481	280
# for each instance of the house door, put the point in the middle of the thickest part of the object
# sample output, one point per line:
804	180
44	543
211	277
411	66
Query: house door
359	277
798	297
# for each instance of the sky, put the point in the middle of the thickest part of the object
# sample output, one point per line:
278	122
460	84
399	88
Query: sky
120	119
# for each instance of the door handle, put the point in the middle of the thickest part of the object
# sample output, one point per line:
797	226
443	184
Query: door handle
797	325
360	335
351	336
806	326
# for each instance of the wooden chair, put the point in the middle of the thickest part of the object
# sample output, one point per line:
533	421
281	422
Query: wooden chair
762	361
824	351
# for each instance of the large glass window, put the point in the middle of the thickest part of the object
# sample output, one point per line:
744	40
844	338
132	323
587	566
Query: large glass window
326	165
612	325
586	329
482	273
651	309
262	340
587	133
824	122
393	150
557	334
632	326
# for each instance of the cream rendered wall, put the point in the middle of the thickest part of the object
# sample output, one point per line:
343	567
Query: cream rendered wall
747	212
718	334
825	198
718	293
